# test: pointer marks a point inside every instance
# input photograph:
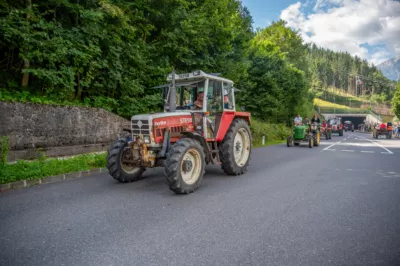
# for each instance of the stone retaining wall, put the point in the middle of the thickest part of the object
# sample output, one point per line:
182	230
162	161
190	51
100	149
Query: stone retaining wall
57	130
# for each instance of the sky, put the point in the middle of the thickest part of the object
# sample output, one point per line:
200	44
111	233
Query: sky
369	29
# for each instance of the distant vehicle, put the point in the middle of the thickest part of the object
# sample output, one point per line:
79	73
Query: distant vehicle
348	126
337	125
382	130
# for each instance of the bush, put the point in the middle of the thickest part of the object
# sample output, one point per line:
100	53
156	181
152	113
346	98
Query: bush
272	132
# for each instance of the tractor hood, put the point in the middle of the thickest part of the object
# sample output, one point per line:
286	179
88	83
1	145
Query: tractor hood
151	117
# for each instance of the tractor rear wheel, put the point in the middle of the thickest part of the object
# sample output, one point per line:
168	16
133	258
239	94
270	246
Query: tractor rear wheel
184	166
310	142
316	139
390	134
117	169
235	149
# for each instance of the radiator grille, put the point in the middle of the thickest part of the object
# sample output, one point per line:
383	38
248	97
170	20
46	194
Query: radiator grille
140	127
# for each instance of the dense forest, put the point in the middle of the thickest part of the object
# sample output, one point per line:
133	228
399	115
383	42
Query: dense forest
351	74
109	53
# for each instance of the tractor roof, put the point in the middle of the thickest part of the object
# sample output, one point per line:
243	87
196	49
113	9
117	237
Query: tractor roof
196	75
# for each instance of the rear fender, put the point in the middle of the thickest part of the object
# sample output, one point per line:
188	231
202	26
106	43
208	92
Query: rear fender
226	121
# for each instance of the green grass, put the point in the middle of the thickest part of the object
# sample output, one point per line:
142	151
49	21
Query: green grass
27	170
329	107
343	98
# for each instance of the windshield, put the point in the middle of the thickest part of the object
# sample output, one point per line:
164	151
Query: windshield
186	94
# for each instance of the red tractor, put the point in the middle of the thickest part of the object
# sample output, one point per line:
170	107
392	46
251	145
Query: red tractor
199	126
336	124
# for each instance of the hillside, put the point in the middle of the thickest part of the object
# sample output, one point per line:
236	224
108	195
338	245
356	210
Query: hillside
391	68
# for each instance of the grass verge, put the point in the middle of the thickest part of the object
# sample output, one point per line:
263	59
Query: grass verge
274	133
28	170
329	107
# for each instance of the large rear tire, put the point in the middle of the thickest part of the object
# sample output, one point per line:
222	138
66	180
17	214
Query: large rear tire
119	171
184	166
235	149
310	142
316	139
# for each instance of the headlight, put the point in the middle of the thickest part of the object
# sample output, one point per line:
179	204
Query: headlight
146	139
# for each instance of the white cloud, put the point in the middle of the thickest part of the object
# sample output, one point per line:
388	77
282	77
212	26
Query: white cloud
343	25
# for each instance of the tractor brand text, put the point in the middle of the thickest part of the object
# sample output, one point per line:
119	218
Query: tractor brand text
160	123
186	120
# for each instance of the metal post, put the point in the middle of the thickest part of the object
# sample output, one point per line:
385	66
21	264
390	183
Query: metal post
172	95
263	140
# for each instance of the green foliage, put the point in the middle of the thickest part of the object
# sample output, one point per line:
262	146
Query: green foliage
272	132
5	147
396	101
105	53
327	68
28	170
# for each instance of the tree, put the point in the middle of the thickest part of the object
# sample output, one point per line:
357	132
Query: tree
396	101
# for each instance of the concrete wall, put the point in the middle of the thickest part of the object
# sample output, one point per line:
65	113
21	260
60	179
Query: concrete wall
58	130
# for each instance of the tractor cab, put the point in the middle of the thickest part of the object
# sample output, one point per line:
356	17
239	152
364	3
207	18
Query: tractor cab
205	96
199	91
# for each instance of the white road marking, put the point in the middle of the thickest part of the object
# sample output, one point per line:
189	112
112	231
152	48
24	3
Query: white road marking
348	150
330	146
368	151
331	150
388	151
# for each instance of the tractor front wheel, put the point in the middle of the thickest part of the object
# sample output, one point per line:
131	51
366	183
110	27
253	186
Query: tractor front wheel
235	149
289	141
390	134
120	171
184	166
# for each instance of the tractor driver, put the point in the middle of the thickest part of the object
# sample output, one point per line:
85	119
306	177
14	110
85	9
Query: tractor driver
199	102
298	120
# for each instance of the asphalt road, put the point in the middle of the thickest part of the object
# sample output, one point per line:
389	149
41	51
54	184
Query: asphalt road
336	204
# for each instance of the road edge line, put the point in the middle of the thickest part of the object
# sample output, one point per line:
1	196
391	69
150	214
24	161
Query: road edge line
376	143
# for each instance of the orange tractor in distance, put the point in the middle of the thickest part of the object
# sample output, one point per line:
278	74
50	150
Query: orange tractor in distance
199	126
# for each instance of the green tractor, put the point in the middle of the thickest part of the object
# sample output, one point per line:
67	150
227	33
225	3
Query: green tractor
304	133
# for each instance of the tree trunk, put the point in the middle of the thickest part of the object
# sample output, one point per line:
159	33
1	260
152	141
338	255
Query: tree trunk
25	77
